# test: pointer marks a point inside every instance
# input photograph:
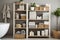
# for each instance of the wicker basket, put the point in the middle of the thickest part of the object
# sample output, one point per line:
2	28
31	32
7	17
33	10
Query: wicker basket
23	17
56	34
19	36
46	26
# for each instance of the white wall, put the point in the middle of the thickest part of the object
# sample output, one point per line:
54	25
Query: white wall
54	4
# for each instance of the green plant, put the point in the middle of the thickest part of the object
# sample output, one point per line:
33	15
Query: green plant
20	0
57	14
33	4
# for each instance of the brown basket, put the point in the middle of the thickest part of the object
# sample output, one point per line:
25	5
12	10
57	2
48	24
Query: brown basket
23	17
19	36
46	26
56	34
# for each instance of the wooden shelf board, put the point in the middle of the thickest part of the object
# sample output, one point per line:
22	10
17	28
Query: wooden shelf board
37	36
20	19
20	3
39	10
38	20
38	28
20	28
20	10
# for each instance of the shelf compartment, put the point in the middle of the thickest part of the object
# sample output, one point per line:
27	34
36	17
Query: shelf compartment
35	36
38	28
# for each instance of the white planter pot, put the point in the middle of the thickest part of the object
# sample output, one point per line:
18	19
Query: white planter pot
32	8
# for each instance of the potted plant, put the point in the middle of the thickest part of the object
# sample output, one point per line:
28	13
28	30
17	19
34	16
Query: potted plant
32	6
21	1
18	2
57	14
56	32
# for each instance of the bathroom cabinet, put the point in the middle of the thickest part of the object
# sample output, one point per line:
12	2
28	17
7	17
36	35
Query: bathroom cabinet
32	22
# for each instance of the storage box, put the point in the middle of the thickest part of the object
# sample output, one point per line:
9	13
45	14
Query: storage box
19	36
23	16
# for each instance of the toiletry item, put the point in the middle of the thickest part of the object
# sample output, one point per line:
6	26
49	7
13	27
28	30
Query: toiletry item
17	16
31	33
24	25
46	32
43	34
38	33
39	17
36	25
18	32
22	31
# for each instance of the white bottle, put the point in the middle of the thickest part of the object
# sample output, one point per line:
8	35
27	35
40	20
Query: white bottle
46	32
38	33
17	16
31	33
43	33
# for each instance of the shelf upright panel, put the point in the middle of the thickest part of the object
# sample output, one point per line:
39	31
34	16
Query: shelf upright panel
27	21
13	19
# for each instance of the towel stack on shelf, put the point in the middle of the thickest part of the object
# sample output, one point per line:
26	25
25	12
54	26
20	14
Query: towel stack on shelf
32	25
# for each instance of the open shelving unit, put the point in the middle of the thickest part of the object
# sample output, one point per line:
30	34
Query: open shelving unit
25	20
19	22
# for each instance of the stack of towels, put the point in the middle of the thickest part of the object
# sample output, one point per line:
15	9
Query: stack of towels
32	25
